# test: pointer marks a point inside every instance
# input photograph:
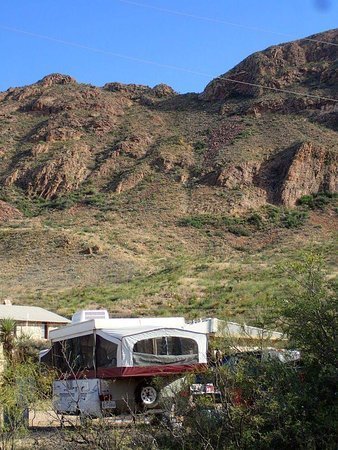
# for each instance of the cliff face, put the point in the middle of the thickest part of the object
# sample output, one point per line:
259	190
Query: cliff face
300	170
58	137
312	169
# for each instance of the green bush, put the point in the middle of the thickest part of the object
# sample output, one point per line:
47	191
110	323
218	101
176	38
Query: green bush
273	213
199	147
200	221
270	216
306	200
318	201
238	229
244	134
87	196
256	220
293	218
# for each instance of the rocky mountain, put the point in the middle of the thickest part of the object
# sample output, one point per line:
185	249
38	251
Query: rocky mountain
143	158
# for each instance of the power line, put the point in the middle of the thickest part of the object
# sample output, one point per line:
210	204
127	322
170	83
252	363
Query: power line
221	21
166	66
99	50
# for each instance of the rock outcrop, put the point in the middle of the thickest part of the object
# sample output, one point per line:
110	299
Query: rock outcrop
312	170
173	154
233	177
131	179
135	146
304	169
57	176
56	78
8	212
139	91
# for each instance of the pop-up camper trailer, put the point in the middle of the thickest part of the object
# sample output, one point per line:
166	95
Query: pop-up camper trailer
110	364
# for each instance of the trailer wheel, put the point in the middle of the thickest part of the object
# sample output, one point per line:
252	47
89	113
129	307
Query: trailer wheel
146	395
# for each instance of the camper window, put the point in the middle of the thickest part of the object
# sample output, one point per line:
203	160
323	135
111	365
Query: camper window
165	350
166	345
74	354
106	353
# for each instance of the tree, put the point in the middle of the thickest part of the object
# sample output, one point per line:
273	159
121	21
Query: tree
22	385
7	337
309	309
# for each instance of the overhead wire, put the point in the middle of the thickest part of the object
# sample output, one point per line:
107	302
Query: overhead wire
157	64
98	50
224	22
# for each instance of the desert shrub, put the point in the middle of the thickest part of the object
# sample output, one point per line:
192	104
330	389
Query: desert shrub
270	216
273	213
318	201
293	218
234	225
199	221
244	134
199	147
238	229
23	386
285	218
256	220
87	195
306	200
64	202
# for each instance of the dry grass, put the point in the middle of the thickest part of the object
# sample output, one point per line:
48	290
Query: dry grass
149	266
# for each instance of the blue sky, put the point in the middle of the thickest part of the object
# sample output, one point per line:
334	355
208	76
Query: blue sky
82	38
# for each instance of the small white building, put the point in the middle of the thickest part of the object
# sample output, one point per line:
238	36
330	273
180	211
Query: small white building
32	321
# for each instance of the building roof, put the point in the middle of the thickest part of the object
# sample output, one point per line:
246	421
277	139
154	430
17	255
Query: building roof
30	314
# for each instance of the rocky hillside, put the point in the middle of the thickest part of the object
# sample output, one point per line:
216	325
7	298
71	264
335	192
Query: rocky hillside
141	159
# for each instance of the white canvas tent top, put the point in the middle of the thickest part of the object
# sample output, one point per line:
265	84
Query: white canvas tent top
130	347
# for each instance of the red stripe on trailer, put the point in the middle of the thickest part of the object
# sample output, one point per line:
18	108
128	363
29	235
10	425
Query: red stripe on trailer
138	371
142	371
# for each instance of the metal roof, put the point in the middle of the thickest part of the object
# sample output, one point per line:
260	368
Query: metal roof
30	314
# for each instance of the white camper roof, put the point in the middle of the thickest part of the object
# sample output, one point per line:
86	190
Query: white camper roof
118	327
